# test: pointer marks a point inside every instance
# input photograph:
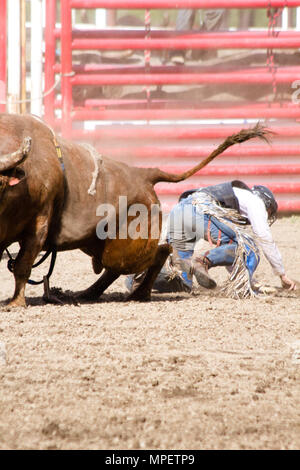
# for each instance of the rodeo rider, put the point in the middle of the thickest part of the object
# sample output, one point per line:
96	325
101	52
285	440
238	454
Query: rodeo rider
257	206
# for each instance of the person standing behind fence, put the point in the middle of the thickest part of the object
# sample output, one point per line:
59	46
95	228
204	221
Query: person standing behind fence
212	20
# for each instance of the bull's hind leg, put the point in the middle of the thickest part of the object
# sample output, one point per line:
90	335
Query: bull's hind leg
97	289
143	292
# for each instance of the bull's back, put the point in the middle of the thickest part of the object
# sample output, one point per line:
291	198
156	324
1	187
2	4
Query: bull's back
111	181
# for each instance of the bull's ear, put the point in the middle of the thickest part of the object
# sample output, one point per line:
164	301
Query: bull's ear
13	181
17	176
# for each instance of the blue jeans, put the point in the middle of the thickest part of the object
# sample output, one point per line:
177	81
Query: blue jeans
185	277
187	225
224	254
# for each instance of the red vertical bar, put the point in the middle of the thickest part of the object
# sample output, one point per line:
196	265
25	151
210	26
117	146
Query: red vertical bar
66	67
50	44
3	73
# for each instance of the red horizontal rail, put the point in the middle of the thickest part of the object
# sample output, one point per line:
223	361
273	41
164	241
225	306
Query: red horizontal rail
177	132
238	170
215	105
163	33
149	4
135	104
188	69
189	43
153	151
179	104
153	104
288	206
283	206
176	190
181	78
177	114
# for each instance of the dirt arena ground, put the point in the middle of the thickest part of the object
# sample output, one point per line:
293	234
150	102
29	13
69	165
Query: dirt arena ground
182	372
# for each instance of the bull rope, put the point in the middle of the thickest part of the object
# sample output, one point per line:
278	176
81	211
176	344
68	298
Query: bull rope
97	157
43	95
11	264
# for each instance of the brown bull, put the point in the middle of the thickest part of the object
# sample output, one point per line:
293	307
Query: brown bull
44	207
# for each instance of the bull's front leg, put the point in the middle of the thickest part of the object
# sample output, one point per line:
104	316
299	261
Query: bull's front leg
30	246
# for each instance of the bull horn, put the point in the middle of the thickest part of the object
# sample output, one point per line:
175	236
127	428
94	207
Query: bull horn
13	159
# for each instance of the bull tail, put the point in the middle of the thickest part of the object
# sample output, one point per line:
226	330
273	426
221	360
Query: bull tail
258	130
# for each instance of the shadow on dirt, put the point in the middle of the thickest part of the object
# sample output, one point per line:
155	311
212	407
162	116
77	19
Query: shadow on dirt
59	297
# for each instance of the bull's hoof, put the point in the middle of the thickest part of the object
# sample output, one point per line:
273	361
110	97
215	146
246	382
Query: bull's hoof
139	296
14	304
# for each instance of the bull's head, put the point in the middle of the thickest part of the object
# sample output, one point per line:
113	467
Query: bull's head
9	163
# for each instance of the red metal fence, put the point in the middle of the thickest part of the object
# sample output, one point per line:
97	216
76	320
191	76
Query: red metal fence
151	127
